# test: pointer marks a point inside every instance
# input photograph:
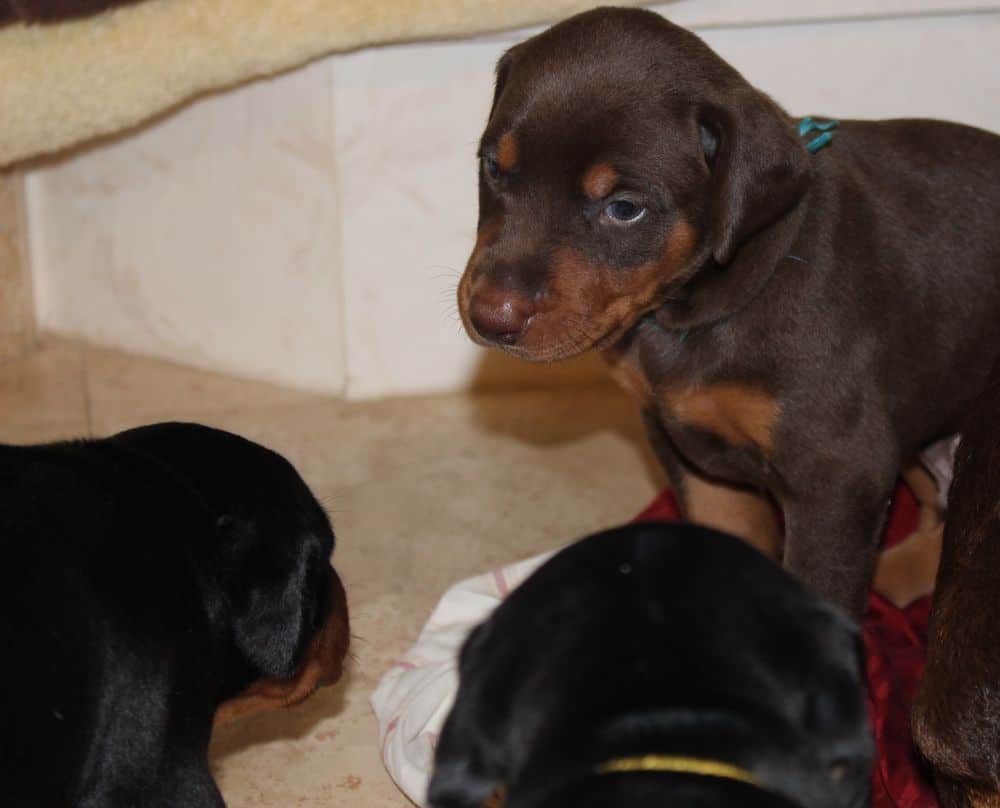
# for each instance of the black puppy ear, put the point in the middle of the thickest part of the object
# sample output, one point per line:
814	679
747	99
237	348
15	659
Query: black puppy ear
271	619
461	777
759	168
467	762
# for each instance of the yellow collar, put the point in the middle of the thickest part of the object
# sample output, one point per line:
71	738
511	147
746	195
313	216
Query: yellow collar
680	765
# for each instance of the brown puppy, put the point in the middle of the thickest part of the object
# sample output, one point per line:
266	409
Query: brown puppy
794	325
956	717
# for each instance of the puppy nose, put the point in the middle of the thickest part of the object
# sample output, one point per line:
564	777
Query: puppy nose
500	318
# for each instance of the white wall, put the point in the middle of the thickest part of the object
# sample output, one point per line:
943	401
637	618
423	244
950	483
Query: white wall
310	229
209	238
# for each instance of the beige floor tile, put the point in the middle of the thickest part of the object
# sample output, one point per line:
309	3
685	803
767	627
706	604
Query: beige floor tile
143	389
43	395
423	492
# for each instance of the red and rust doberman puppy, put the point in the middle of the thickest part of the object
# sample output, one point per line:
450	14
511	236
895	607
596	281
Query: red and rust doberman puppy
798	314
956	718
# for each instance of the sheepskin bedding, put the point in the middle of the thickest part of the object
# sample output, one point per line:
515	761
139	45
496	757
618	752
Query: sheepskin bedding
68	82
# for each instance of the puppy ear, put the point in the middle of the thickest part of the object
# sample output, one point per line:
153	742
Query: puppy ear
461	777
503	71
759	167
273	616
467	768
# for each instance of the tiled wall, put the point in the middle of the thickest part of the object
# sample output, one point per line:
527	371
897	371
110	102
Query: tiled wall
310	229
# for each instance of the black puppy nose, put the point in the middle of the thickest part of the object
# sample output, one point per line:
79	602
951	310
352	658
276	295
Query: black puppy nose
501	316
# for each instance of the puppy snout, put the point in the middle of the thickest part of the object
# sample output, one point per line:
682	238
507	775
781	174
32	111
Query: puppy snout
500	317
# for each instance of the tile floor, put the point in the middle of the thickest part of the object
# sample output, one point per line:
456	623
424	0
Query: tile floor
423	492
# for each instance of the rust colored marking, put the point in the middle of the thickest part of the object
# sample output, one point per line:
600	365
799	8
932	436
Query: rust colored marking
741	416
983	799
625	370
606	302
507	151
585	304
680	245
322	665
497	800
599	180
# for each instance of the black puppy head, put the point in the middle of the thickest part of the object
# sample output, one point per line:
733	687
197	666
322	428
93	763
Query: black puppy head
285	604
621	156
658	639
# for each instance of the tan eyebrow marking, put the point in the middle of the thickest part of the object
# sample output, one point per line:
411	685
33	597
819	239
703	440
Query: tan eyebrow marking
507	151
599	180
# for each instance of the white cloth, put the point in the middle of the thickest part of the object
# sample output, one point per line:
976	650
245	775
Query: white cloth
939	460
413	699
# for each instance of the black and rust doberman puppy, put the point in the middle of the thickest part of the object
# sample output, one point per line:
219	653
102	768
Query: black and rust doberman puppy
658	665
956	718
798	315
152	582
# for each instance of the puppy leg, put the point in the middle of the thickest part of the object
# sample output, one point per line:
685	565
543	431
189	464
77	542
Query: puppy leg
956	712
833	522
743	513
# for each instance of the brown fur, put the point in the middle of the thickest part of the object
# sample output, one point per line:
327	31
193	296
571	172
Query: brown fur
586	305
813	280
625	371
956	717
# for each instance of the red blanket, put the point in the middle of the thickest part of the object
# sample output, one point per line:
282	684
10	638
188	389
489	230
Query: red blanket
896	641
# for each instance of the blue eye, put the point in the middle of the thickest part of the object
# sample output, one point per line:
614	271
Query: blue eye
490	167
621	211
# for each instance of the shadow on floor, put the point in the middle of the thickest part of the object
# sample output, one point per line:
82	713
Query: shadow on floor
579	387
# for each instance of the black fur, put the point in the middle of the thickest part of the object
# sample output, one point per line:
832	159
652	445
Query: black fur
146	578
658	639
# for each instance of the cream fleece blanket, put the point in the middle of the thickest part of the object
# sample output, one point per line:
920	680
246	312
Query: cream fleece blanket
71	82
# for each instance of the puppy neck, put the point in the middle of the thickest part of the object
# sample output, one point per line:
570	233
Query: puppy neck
711	293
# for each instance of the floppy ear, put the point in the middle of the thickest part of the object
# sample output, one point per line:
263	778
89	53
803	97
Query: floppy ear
273	605
759	167
503	71
463	777
467	769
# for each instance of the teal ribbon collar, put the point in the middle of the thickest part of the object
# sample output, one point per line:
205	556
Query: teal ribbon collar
807	125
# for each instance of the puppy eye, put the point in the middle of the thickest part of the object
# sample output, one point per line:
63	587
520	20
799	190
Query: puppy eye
621	211
490	167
